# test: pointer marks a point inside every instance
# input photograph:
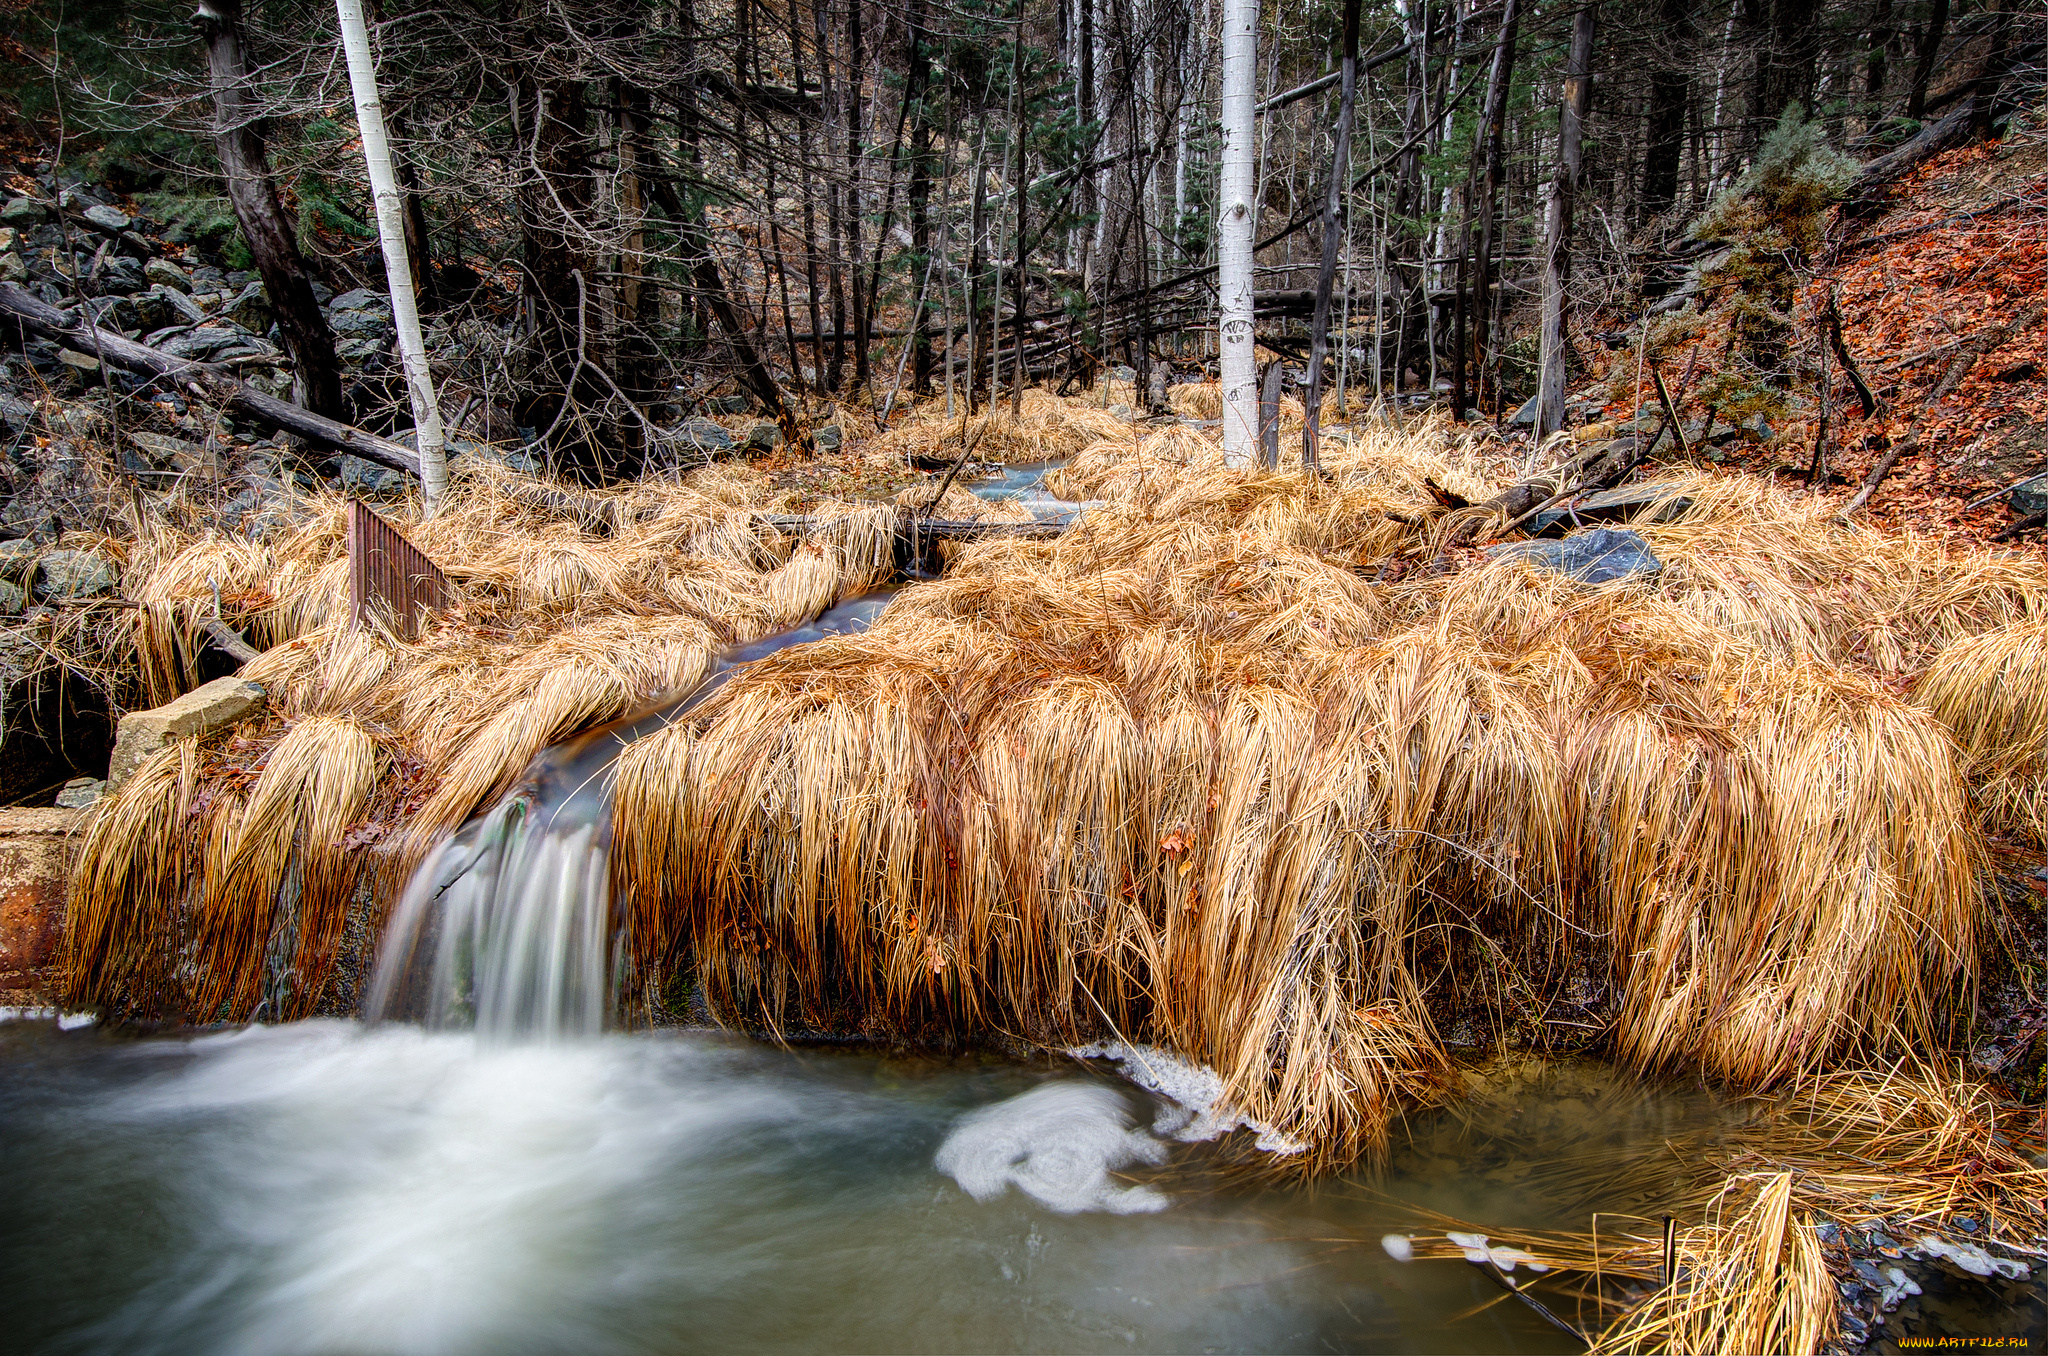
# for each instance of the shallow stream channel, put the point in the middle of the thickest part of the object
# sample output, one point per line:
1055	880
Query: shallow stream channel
328	1187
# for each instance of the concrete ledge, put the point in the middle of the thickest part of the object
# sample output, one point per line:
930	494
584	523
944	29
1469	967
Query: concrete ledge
37	851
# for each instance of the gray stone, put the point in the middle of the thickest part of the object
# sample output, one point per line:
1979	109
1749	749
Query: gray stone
1526	416
826	438
76	574
184	310
361	299
83	363
120	276
1123	373
13	268
202	344
220	702
703	435
2031	496
1603	555
360	350
168	274
763	437
81	792
367	477
135	247
11	600
732	404
15	417
1652	503
23	212
151	311
1119	411
250	309
362	324
207	278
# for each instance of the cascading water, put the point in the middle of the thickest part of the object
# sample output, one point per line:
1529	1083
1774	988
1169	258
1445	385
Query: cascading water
506	928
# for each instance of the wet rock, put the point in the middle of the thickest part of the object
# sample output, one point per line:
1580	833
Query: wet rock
220	702
81	792
76	574
1604	555
763	437
23	212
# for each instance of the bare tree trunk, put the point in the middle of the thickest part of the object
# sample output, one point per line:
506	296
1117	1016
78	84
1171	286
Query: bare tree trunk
1019	288
1578	94
316	374
1493	128
412	350
1333	215
1234	232
1923	63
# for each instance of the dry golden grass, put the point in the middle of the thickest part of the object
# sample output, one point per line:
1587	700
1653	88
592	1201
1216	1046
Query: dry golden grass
1228	766
1751	1282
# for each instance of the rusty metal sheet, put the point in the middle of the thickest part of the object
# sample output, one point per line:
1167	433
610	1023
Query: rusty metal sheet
388	576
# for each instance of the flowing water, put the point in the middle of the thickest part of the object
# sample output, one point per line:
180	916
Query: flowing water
329	1187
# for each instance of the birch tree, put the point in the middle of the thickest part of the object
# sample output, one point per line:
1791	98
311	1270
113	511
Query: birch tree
1234	232
419	378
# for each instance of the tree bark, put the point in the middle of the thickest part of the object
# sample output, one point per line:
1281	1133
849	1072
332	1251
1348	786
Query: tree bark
244	162
1234	231
1333	215
1923	62
384	189
1670	87
1493	127
1578	95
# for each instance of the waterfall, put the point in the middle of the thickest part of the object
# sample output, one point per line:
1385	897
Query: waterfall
507	926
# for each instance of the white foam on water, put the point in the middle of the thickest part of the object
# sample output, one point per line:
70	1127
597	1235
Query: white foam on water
410	1192
1196	1109
1058	1144
66	1021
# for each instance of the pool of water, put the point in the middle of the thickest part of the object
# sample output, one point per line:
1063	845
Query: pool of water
332	1188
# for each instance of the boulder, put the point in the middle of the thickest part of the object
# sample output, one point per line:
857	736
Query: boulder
763	437
1525	416
136	247
1603	555
826	438
23	213
361	299
249	309
220	702
183	310
202	344
367	477
363	324
76	574
164	273
13	268
11	600
732	404
703	435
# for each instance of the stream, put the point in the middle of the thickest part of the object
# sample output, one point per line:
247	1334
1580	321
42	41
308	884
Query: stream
327	1187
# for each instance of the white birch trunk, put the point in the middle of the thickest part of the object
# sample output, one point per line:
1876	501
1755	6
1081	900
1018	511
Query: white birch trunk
1236	222
412	350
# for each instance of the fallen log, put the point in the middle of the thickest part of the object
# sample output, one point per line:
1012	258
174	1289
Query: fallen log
205	380
937	529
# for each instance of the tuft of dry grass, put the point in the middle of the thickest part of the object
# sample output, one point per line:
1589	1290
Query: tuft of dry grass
1991	693
1750	1280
